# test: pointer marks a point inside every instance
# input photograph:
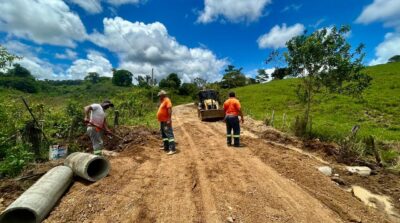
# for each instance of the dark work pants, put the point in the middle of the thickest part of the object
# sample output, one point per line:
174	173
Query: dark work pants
167	135
232	123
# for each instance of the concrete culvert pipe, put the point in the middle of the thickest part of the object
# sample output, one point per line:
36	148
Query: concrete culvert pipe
88	166
36	203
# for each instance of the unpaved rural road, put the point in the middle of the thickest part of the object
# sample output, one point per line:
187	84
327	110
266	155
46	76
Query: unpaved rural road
210	182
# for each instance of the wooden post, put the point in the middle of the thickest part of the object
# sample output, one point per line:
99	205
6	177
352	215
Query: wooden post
116	118
370	141
284	121
272	118
152	84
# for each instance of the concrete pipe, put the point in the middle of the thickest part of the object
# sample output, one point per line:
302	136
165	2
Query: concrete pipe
36	203
88	166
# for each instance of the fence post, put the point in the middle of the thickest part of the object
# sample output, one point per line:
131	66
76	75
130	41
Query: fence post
116	118
284	121
272	118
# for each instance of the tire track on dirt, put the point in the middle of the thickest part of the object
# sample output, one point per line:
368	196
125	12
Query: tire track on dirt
206	203
245	188
301	169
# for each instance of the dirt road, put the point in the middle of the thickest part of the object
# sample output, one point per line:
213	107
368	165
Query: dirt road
210	182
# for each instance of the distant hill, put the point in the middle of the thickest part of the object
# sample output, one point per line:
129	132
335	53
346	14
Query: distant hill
333	117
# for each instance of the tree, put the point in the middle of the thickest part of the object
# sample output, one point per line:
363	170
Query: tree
6	58
144	81
188	89
250	80
233	78
200	82
171	82
262	76
122	78
280	73
394	59
19	71
324	60
93	77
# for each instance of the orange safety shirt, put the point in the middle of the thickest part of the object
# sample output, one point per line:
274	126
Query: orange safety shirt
162	114
232	106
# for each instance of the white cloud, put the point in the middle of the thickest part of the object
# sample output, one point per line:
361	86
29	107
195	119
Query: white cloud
387	11
39	68
141	47
42	21
278	36
94	6
95	62
291	7
387	49
232	10
121	2
21	49
91	6
69	54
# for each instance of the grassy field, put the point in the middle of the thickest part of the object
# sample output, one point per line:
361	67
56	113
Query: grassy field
333	116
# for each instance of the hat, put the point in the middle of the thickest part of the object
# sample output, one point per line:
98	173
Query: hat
108	102
162	92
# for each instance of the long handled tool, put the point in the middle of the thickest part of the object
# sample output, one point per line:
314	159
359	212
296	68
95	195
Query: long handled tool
33	117
107	132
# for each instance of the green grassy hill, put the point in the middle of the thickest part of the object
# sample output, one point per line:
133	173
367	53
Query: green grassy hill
334	115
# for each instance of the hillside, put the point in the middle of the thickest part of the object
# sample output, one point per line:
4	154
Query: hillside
333	115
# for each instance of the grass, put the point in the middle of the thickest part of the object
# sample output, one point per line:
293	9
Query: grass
333	116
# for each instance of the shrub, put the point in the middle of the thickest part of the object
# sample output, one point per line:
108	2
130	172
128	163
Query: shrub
299	127
390	157
17	157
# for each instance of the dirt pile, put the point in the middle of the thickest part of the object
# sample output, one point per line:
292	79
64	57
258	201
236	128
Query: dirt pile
138	135
11	189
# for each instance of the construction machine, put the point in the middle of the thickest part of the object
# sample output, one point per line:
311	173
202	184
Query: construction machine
208	107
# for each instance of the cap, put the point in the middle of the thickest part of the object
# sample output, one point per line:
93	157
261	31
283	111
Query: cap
108	102
162	92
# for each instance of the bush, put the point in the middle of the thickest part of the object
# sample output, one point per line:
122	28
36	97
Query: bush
299	127
390	157
17	157
28	85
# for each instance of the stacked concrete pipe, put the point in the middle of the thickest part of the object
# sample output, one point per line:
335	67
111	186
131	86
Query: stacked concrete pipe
36	203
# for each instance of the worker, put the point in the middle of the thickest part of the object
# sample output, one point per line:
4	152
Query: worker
95	118
164	115
233	110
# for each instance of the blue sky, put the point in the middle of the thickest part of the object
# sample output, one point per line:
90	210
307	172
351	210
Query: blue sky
194	38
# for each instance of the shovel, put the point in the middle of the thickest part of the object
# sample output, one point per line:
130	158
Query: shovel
108	132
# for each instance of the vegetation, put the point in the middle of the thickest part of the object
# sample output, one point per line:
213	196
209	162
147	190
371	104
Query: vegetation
262	76
334	114
233	78
171	82
324	62
280	73
122	78
394	59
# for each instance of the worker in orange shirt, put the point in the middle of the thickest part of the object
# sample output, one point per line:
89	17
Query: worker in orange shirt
232	112
164	115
